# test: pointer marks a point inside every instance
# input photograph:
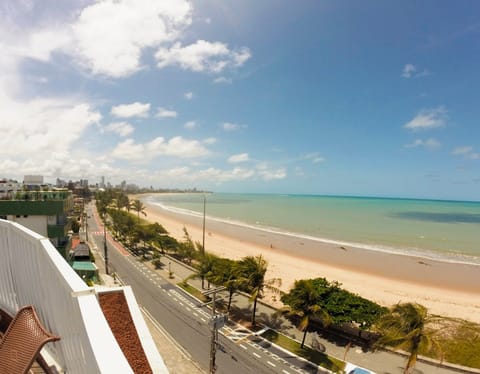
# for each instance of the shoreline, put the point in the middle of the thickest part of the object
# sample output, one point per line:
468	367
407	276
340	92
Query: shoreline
445	288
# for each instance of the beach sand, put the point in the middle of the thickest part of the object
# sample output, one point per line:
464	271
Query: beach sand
447	289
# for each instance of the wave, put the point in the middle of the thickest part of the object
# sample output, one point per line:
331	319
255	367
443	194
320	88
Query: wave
449	257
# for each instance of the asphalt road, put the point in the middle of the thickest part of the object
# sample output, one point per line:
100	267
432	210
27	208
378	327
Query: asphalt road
187	321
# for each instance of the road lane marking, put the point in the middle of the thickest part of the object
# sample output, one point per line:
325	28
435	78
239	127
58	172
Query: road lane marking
241	345
285	372
256	355
271	364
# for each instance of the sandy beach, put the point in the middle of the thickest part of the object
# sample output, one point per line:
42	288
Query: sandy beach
447	289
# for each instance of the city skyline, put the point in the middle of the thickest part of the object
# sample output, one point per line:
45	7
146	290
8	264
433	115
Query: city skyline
310	97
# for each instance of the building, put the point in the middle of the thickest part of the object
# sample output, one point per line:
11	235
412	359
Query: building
33	180
45	212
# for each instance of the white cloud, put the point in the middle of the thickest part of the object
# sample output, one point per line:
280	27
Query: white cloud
408	70
190	125
222	80
135	109
120	128
411	71
467	152
175	147
428	119
166	113
463	150
109	36
188	95
36	128
268	175
430	143
241	157
210	141
185	148
229	126
219	176
42	136
190	175
314	156
202	56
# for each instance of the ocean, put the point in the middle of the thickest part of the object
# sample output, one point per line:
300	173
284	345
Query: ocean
441	230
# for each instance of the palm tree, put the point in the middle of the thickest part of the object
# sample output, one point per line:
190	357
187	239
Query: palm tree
405	328
305	301
138	207
205	268
123	201
251	272
224	272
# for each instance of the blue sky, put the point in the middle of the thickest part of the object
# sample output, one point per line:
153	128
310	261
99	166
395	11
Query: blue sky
322	97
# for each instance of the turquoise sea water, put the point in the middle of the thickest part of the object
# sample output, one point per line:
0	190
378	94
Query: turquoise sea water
448	230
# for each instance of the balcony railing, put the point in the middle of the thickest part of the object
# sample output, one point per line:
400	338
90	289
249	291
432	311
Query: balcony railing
33	272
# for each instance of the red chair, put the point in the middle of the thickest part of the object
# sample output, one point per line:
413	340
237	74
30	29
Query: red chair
22	342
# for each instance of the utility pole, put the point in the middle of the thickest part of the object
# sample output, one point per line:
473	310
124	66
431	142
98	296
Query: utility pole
204	210
86	226
216	322
105	249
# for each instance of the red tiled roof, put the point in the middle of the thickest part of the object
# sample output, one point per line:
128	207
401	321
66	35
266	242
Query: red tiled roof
75	242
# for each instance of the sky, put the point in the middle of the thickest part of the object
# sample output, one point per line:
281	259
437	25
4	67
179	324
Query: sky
369	98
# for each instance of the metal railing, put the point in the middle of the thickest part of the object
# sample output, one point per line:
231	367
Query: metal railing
33	272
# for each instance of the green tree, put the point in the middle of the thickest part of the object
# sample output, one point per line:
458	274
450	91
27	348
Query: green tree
225	273
167	243
138	207
205	268
252	270
346	307
405	327
123	201
75	225
306	300
186	248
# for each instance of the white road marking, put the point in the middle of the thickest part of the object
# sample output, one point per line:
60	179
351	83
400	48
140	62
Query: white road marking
286	372
203	319
271	364
241	345
256	355
195	314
